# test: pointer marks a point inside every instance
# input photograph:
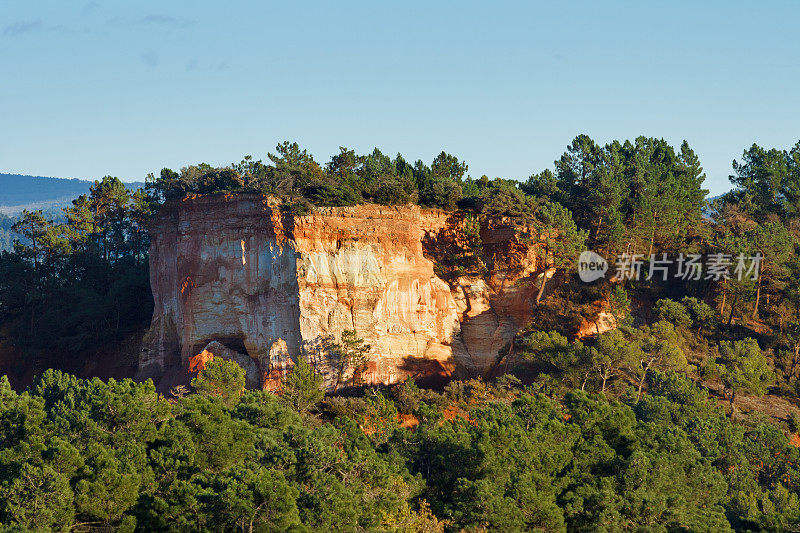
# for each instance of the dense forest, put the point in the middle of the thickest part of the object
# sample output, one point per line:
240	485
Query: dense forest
94	455
648	426
78	279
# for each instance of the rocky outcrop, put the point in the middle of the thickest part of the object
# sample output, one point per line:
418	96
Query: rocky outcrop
601	320
270	286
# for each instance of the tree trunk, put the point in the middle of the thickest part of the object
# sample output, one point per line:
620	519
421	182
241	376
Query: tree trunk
541	289
733	306
641	381
758	297
340	371
544	277
599	225
653	235
733	407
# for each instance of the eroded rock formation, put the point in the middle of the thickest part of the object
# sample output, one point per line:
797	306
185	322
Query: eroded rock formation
271	287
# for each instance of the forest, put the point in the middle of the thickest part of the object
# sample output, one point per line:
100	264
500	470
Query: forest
684	417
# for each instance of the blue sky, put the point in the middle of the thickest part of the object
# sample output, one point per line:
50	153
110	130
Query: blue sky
123	88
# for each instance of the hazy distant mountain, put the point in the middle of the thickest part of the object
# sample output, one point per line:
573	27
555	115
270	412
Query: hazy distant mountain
18	192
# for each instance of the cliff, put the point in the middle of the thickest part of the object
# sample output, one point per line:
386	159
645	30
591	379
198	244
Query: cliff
235	275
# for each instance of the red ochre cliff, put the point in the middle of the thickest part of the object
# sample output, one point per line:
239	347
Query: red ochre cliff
237	277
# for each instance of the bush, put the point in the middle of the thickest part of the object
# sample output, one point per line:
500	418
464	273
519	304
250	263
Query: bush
221	378
328	192
390	190
219	180
704	316
440	192
673	312
407	396
504	201
298	207
794	422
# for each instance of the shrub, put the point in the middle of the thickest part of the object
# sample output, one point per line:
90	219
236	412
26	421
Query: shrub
407	396
440	192
673	312
221	378
328	192
390	190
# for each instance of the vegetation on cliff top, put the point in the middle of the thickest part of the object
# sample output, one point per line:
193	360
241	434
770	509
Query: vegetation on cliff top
635	190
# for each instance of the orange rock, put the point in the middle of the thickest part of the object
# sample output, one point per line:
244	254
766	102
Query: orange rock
602	321
238	270
199	361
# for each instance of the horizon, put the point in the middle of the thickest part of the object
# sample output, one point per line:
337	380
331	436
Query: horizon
94	90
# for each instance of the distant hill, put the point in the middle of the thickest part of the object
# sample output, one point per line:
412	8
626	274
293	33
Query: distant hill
18	192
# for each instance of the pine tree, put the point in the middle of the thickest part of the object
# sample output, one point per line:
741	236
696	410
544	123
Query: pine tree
560	240
742	368
302	387
351	354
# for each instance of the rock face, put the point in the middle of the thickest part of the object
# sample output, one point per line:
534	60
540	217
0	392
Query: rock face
237	271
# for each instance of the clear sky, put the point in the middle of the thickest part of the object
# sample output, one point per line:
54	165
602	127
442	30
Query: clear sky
126	88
